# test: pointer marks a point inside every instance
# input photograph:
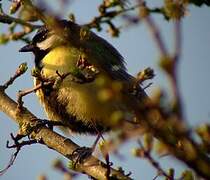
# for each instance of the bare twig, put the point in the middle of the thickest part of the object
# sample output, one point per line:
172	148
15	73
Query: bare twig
147	86
153	162
106	16
176	57
156	35
21	70
4	18
18	147
170	62
21	94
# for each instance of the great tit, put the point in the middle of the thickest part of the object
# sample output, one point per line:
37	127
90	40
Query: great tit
95	94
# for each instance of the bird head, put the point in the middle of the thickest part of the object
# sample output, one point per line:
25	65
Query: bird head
61	32
50	36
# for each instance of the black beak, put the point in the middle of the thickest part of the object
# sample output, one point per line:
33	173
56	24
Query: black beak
27	48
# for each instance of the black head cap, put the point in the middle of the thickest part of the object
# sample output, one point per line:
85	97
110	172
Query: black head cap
39	36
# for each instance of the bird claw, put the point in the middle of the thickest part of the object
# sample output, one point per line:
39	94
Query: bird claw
50	124
80	154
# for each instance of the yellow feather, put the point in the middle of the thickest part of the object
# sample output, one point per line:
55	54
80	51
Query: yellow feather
96	102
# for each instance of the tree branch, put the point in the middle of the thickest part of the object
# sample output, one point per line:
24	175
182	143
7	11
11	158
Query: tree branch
92	166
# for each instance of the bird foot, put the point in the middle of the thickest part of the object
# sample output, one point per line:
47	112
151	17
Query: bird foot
50	124
80	154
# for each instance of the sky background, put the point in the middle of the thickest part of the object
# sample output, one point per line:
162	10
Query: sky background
139	50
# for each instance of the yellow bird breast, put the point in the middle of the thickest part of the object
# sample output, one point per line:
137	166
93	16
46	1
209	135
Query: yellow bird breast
97	102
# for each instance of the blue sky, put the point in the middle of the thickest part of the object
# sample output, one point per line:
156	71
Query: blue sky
139	50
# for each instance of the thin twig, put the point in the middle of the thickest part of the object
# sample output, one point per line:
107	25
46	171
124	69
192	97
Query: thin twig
107	16
173	60
18	147
4	18
156	35
21	70
153	162
155	32
21	94
147	86
176	58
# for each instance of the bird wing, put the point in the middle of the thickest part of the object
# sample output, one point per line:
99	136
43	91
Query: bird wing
107	57
111	61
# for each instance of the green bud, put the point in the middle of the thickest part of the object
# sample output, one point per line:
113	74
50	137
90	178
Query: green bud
146	74
187	175
174	10
105	95
143	11
35	72
171	172
204	132
3	39
148	141
14	6
116	116
72	17
23	68
71	165
57	163
138	152
166	63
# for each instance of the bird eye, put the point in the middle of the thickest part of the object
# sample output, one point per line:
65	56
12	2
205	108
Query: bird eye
40	36
43	37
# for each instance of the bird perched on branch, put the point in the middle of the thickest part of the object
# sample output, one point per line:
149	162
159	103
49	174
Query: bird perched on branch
93	91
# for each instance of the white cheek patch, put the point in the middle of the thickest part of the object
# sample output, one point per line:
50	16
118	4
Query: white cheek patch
49	42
